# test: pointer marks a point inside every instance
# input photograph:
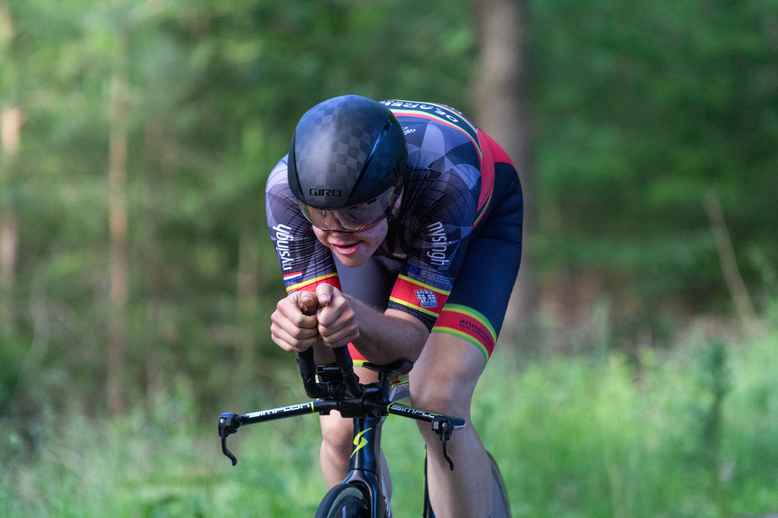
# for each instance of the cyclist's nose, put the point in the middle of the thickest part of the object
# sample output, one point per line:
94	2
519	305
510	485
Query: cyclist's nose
337	222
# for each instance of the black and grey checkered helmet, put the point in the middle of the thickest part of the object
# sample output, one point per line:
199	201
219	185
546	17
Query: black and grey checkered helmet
345	151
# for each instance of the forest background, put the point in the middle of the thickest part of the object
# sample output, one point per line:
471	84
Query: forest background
137	275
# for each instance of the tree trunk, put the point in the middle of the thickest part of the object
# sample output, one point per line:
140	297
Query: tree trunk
737	288
502	112
6	24
153	264
117	201
10	133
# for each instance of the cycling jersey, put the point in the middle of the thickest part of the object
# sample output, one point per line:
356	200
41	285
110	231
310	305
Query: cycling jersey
452	255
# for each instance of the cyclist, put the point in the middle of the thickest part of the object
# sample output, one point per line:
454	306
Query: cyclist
401	223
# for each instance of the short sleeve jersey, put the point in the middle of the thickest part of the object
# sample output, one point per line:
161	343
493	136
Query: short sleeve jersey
447	193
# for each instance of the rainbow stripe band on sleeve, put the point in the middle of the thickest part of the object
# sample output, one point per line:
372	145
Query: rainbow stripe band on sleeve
469	324
310	284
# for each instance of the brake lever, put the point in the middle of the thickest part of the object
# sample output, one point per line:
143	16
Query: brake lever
228	424
442	426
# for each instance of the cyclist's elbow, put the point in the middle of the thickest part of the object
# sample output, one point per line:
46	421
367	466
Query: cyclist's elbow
416	336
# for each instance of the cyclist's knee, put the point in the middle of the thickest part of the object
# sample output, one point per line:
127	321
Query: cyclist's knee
444	378
442	394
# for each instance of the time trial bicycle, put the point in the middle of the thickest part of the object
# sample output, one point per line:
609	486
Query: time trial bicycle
336	387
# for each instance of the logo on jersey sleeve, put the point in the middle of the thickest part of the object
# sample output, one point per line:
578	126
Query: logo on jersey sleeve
284	237
438	254
426	298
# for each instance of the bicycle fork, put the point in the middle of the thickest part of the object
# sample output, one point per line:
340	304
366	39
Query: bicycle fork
365	464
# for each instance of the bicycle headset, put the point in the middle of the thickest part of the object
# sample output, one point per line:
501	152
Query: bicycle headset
347	161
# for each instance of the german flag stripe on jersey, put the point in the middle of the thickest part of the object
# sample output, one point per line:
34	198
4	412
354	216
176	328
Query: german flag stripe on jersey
438	113
418	296
469	324
310	284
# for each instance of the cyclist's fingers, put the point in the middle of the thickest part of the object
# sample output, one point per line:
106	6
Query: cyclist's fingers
342	336
298	327
290	342
294	338
289	309
307	302
325	293
338	308
341	331
331	329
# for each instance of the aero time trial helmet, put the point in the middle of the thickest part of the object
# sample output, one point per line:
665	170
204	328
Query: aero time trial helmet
346	163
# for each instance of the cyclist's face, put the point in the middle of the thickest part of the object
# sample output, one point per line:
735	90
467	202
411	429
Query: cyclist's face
354	249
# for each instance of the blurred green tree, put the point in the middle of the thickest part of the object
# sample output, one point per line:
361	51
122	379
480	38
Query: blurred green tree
640	109
502	107
203	96
637	111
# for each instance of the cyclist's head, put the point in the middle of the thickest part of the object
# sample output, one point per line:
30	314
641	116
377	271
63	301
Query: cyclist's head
346	164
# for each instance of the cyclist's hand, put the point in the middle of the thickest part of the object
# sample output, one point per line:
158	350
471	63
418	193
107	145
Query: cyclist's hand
294	322
337	316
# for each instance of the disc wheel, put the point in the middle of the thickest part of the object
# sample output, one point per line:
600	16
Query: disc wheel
342	501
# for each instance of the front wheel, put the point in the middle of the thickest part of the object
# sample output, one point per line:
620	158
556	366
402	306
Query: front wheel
343	501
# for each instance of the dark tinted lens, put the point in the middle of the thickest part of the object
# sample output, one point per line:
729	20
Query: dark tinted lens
351	219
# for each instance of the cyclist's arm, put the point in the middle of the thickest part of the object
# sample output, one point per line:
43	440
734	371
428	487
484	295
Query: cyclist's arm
390	336
380	337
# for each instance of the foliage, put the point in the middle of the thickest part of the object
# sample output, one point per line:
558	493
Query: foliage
640	110
215	89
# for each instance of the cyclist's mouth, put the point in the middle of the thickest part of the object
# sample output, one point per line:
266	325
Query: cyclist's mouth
346	249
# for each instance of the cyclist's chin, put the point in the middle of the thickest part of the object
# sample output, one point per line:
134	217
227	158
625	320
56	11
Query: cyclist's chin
355	255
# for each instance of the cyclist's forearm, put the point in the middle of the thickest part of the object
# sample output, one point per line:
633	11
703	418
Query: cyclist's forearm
390	336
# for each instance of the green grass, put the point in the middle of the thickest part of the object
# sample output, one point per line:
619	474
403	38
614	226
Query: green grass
610	438
688	433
